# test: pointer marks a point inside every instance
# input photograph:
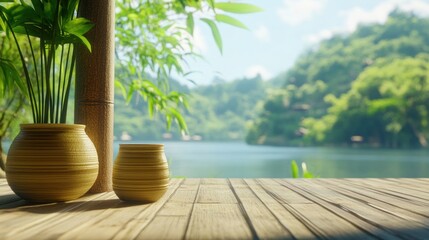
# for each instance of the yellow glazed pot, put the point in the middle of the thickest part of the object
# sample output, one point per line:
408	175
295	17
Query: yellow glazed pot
140	172
51	162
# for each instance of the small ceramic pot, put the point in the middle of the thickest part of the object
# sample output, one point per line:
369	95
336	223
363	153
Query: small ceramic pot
51	162
140	172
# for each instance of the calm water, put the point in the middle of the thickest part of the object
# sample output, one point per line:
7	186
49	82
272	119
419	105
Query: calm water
233	159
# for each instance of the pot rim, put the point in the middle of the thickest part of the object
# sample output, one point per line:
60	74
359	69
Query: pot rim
141	145
51	126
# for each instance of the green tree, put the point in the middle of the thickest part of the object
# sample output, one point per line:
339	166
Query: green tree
388	105
337	62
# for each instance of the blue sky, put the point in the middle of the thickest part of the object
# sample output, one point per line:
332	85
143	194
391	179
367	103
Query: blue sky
284	30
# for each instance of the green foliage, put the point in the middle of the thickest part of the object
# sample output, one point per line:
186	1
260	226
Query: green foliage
154	41
13	104
294	169
371	90
296	172
388	105
51	30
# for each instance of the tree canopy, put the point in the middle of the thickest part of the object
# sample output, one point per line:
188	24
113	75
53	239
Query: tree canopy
367	87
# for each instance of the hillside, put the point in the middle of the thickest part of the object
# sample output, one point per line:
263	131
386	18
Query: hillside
369	87
221	111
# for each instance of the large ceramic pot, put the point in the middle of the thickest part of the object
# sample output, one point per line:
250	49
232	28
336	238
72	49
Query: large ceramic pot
51	162
140	172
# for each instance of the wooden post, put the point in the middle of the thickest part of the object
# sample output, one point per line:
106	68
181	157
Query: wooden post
95	83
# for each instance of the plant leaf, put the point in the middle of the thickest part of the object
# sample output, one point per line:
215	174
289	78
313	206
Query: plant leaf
241	8
190	23
230	20
215	32
121	87
9	76
294	169
78	26
305	172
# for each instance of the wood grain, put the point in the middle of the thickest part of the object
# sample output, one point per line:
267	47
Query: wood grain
232	209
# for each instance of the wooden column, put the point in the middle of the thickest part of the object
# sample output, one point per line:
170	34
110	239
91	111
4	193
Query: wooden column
95	83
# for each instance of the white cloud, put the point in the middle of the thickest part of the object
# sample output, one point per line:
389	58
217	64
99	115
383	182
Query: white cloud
355	16
419	7
262	33
255	70
380	12
295	12
321	35
199	40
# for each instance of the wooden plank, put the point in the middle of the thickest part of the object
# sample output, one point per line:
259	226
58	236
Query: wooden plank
214	181
382	198
283	194
119	220
171	222
216	213
386	205
417	184
25	221
215	192
297	229
218	221
404	186
234	209
384	221
371	185
326	221
261	219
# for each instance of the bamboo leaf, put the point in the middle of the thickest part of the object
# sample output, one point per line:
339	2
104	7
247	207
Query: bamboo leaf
121	87
190	23
241	8
215	32
230	20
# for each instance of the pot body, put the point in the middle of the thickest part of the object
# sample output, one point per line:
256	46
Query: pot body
51	162
140	172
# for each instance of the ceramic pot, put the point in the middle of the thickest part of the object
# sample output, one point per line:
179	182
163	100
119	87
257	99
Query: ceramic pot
51	162
140	172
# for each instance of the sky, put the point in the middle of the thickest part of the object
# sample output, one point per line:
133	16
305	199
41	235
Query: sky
284	30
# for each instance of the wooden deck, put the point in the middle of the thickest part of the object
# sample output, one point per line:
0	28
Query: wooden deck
233	209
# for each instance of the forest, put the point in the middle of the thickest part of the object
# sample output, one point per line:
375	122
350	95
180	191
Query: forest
368	88
217	112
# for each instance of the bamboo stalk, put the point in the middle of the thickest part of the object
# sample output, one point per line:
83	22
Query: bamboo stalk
94	85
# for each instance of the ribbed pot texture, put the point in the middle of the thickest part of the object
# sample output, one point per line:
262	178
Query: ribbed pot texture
51	162
140	172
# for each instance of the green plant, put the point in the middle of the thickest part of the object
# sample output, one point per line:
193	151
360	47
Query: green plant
51	30
154	42
296	173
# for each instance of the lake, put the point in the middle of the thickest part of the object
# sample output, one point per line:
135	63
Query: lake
237	160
